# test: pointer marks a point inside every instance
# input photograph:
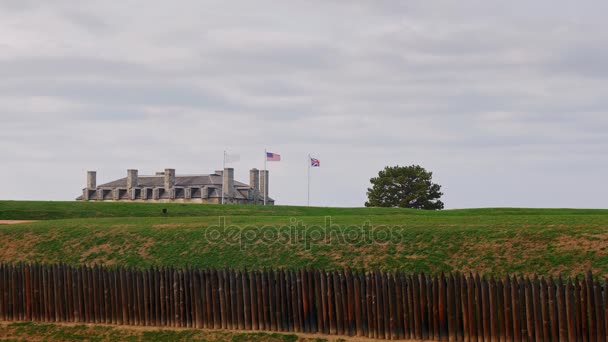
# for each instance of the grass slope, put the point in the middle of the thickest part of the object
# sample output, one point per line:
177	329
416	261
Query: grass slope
54	210
495	241
39	210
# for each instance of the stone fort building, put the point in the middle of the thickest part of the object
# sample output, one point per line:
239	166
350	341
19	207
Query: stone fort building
168	187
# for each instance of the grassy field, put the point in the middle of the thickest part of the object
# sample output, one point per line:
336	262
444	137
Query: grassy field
493	241
27	331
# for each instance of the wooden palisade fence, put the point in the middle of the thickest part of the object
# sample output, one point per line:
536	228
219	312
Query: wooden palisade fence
383	305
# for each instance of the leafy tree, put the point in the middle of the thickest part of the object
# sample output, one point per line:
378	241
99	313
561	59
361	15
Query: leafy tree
404	187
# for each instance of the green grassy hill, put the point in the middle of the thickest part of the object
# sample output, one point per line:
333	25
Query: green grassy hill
52	210
547	241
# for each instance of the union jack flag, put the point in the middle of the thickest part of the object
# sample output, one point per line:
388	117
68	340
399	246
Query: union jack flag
273	156
315	162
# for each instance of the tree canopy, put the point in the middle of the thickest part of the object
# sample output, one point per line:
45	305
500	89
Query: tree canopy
404	187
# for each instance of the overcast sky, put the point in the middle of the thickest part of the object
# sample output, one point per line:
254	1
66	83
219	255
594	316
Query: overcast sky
507	103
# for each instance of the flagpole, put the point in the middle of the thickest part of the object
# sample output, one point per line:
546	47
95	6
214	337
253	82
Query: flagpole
265	178
308	196
223	170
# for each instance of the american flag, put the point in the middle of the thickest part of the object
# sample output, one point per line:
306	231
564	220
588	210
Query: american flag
315	162
273	156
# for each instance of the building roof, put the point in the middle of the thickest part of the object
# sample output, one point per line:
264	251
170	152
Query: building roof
212	181
180	181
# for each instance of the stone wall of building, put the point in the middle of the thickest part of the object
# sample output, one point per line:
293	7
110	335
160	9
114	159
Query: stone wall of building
166	190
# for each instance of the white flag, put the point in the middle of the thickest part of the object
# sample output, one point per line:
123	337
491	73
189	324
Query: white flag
232	158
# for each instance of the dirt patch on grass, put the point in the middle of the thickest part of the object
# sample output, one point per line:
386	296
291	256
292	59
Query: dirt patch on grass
122	226
101	252
360	256
414	256
586	242
104	248
577	269
15	221
488	256
114	245
178	225
19	249
143	251
500	255
167	225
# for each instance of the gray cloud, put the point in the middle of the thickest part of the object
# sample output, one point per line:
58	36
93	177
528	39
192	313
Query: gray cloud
63	67
504	102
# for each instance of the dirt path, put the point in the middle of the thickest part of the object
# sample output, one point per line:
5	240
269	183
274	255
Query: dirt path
15	221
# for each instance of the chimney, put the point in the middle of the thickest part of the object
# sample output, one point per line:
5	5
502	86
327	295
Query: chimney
254	179
91	179
169	179
264	182
228	175
131	178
